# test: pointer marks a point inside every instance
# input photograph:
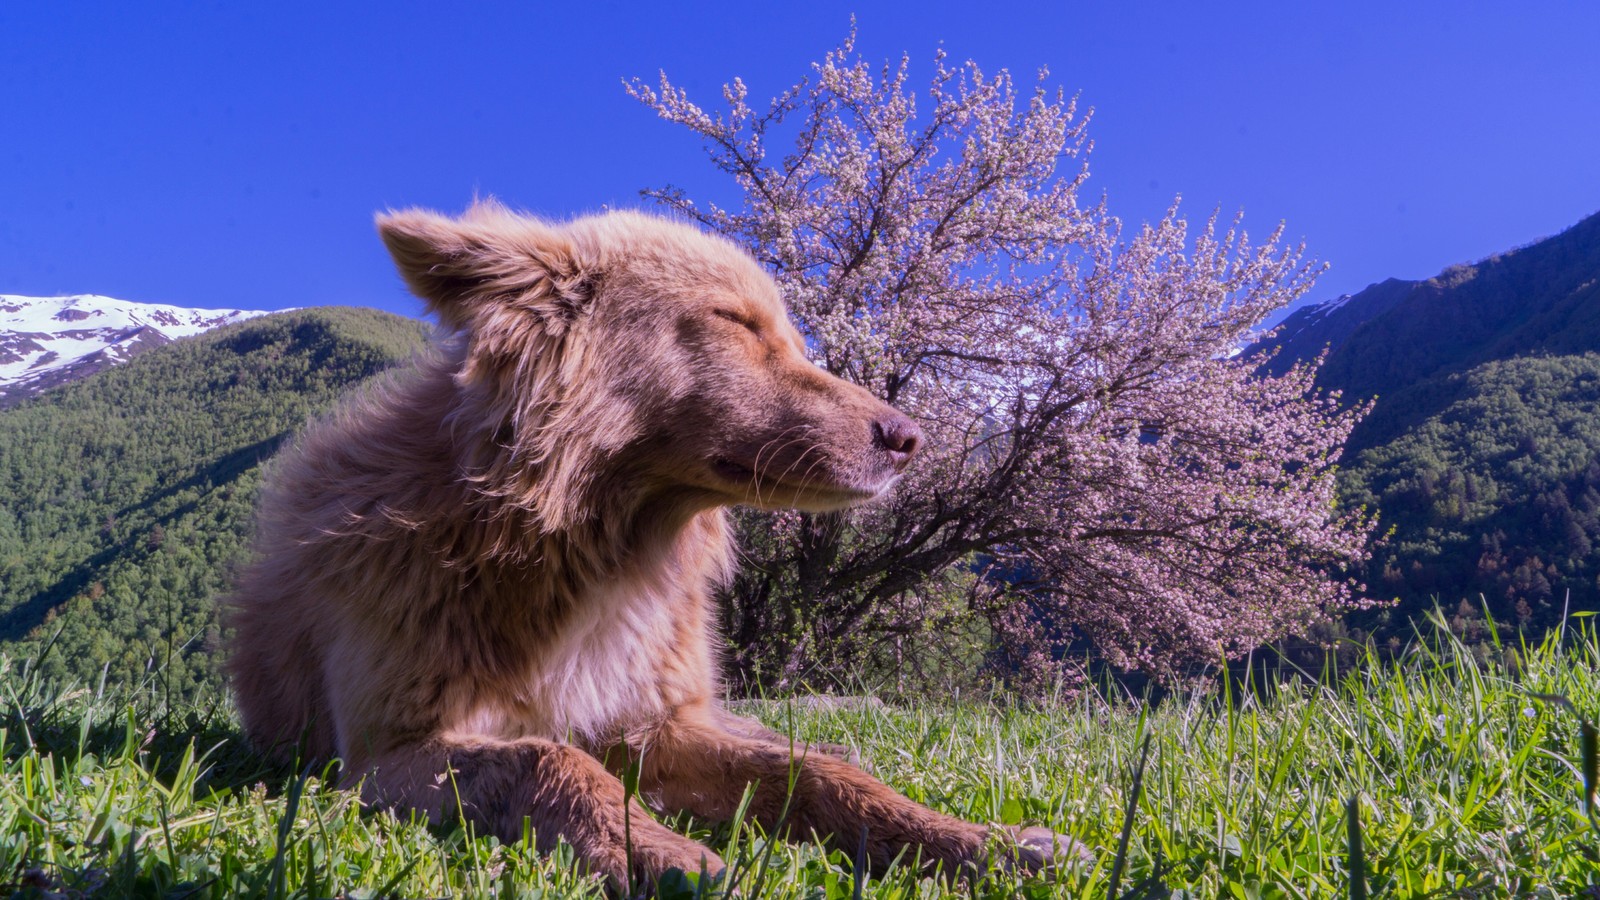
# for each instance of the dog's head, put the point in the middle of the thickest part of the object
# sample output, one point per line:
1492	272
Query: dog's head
636	344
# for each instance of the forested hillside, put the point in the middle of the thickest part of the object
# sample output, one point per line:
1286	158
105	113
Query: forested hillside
1496	493
1481	451
128	495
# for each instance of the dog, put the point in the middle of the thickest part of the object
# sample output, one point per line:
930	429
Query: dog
486	586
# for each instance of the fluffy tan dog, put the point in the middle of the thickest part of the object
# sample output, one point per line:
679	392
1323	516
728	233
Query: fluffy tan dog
492	573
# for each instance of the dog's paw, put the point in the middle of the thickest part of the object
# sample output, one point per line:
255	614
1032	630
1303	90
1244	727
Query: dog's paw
677	883
688	856
1040	851
659	857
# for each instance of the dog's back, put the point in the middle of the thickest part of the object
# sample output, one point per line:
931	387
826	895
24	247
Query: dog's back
314	548
278	615
276	670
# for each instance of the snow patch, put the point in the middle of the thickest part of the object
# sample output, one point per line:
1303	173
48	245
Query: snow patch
1333	305
42	336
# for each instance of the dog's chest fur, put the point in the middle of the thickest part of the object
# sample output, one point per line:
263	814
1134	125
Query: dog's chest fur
598	672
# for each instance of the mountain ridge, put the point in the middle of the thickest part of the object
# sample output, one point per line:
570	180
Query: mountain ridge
49	341
1306	332
1541	297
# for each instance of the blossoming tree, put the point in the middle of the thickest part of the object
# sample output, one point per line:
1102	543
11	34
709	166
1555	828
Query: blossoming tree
1098	469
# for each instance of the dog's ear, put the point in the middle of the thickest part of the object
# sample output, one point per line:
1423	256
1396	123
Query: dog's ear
489	260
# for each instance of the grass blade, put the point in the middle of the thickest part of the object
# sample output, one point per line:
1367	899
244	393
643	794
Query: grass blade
1590	764
1357	863
275	885
1120	862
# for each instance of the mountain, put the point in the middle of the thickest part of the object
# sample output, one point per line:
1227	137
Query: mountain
126	495
1540	299
1311	329
1482	452
48	341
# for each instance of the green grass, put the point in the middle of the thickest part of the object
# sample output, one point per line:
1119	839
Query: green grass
1464	785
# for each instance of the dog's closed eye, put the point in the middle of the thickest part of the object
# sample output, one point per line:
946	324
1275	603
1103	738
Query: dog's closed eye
748	323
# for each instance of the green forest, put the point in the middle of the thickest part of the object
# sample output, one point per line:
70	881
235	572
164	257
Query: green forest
1492	499
130	493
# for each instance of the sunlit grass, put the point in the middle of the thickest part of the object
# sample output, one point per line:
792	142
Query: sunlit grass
1464	784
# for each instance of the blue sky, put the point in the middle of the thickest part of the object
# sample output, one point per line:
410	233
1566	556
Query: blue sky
232	154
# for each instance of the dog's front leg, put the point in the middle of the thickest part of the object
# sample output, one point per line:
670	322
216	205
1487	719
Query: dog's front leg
692	763
744	726
561	792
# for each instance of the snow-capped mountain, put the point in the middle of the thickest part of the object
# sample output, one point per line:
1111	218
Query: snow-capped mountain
1315	327
46	341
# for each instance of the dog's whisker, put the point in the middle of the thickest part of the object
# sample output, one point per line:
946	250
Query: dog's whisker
756	484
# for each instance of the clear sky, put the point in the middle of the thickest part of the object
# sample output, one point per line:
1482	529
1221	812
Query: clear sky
232	154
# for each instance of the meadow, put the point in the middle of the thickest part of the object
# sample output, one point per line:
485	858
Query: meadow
1450	772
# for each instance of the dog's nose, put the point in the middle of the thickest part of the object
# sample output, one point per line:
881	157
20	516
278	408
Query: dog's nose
899	436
